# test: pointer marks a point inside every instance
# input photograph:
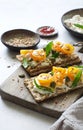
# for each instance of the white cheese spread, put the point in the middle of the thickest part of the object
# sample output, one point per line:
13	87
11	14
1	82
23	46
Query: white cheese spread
76	19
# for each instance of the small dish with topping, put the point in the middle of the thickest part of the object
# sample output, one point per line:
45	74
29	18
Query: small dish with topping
47	31
20	39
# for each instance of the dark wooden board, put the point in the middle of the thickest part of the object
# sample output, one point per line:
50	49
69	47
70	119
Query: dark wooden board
13	90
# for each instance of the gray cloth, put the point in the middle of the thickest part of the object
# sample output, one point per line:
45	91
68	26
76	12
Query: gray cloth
71	119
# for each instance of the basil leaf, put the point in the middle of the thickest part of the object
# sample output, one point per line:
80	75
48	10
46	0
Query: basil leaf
25	63
79	26
79	66
77	78
55	54
48	48
43	88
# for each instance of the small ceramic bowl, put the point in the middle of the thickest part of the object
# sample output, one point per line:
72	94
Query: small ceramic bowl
47	31
69	15
20	39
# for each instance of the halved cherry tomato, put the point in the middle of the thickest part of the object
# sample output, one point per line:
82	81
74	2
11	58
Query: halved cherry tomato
67	49
61	70
71	72
59	75
38	55
45	79
24	52
57	46
58	79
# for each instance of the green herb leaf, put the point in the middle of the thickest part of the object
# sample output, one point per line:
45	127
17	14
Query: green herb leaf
25	63
43	88
48	48
67	79
79	66
77	78
52	84
55	54
51	73
79	26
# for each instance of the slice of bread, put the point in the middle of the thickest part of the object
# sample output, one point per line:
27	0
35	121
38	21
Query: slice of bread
41	97
60	61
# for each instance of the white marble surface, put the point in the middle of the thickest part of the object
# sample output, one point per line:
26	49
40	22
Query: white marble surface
28	14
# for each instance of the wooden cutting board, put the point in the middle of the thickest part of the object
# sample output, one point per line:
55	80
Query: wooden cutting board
13	90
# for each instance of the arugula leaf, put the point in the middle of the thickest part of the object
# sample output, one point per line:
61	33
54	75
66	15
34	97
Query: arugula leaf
43	88
25	63
48	48
55	54
79	26
77	78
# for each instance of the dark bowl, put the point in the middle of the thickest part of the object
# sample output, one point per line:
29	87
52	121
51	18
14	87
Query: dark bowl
20	39
69	15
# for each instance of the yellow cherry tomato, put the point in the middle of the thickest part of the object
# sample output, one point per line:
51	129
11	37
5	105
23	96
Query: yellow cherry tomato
57	46
60	70
58	79
38	55
24	52
59	74
67	49
71	72
45	79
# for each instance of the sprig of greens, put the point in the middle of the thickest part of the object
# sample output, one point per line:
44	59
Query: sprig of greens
77	78
79	26
48	48
79	66
55	54
25	63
